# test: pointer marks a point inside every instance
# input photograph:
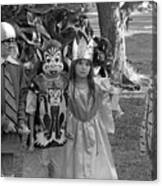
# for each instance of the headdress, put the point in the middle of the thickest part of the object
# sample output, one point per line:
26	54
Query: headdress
52	43
50	47
83	49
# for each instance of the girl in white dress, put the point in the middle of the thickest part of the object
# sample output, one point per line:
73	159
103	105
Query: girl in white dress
88	152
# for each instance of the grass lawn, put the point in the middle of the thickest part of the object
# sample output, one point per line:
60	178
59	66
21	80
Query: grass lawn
139	51
125	143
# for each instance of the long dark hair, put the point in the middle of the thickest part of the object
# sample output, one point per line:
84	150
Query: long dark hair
90	78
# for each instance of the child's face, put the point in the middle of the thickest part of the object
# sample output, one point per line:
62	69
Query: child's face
82	68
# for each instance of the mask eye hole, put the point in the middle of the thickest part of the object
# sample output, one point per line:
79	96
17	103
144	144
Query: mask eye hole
50	93
57	59
48	60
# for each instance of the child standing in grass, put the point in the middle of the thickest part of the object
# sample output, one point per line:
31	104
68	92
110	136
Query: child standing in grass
88	153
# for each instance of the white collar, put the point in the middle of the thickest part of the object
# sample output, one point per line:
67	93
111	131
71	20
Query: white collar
10	60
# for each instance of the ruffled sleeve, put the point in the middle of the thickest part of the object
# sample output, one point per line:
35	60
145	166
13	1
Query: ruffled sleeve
31	102
31	99
106	89
106	107
110	92
104	84
34	89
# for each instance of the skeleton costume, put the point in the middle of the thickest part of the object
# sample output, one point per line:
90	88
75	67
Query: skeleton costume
47	99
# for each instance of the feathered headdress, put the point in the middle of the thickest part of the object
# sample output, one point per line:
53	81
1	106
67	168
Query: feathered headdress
83	49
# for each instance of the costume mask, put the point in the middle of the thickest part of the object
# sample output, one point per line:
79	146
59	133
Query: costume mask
53	61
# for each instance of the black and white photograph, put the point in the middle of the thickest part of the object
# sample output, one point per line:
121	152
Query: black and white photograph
79	90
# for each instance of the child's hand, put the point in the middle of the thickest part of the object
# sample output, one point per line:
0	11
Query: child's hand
23	129
69	136
7	126
11	127
118	114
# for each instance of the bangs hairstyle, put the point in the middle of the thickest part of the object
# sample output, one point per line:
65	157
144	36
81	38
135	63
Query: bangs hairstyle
90	77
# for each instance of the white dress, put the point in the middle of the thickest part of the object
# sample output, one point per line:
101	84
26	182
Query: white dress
88	153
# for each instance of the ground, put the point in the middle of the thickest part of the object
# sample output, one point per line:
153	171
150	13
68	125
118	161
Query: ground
125	143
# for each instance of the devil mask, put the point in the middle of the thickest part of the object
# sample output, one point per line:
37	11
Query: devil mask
53	64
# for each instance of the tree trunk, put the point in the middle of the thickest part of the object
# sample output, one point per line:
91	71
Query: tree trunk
112	24
106	22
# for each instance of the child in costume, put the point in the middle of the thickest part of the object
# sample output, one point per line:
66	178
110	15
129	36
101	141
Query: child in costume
47	98
46	106
88	153
12	79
